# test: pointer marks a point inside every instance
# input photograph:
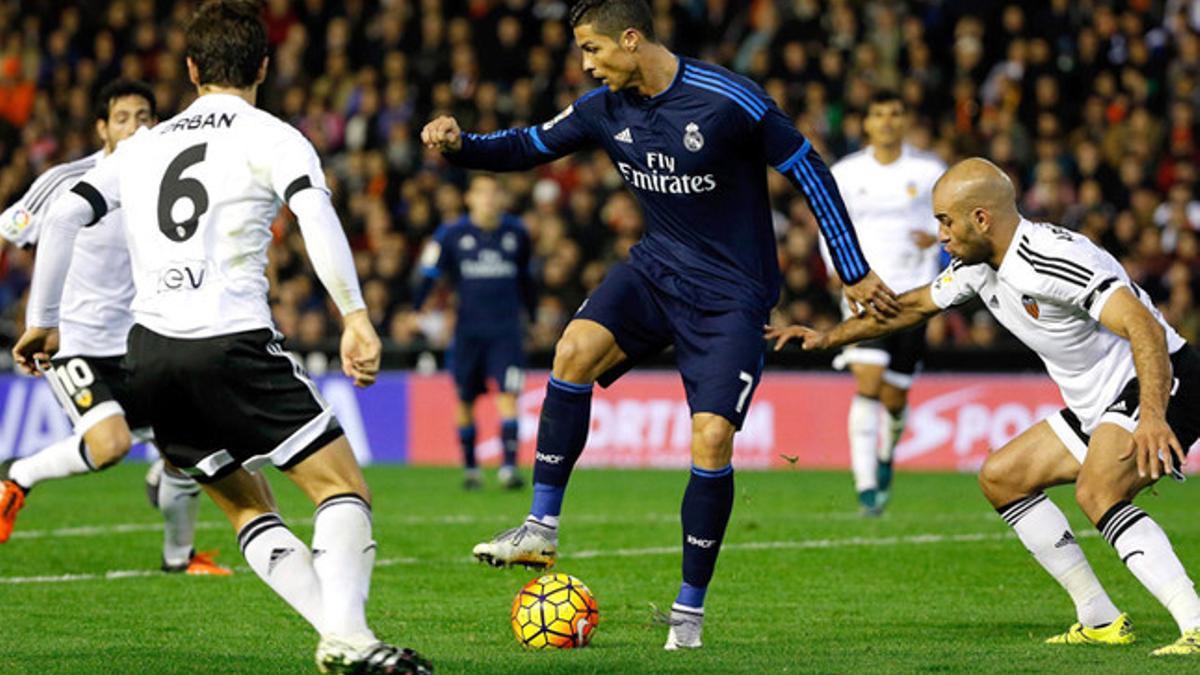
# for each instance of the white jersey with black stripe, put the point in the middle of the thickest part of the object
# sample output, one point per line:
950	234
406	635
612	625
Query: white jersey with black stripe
99	289
887	203
199	193
1049	291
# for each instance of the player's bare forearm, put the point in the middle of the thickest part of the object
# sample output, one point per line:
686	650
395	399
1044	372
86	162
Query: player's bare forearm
1149	345
915	307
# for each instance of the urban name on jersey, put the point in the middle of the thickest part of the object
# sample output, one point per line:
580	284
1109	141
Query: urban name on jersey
209	121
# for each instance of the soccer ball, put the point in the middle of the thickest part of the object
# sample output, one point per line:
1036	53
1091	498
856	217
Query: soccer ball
555	611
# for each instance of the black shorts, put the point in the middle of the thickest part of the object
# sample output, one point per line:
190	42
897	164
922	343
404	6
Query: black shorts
91	389
1183	410
900	354
223	402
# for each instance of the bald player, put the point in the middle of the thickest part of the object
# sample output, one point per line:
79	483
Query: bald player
1130	382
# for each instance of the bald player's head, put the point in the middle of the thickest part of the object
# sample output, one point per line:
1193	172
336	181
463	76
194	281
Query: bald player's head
976	206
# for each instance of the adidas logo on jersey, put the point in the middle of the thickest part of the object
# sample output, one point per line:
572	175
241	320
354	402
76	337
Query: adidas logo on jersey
624	136
1119	406
994	303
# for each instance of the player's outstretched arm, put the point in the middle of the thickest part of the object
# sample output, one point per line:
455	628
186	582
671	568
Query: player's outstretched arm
1154	444
915	307
511	149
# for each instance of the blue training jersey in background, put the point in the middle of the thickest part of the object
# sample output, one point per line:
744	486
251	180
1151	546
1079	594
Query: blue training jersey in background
490	272
695	157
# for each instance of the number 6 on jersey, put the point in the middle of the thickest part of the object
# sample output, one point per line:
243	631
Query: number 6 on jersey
174	188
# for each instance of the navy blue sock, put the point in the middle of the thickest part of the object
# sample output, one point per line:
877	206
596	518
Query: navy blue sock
508	436
707	503
466	435
562	433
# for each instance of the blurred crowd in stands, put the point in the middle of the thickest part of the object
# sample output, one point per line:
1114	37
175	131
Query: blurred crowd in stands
1091	105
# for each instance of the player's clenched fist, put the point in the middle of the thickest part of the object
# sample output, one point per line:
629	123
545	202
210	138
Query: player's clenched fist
442	134
361	349
35	346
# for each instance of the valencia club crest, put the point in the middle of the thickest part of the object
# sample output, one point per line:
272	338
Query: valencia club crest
1031	306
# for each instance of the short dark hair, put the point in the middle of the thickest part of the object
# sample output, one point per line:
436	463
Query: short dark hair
612	17
882	96
121	88
227	40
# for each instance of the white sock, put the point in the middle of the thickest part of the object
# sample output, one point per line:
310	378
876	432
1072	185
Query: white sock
60	459
1045	532
1146	551
895	429
864	421
342	549
178	501
279	558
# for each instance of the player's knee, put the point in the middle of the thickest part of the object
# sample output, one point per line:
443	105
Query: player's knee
995	480
712	443
1095	495
572	360
109	447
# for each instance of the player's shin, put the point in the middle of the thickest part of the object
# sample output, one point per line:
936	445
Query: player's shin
342	549
864	422
887	450
509	429
562	433
1144	548
178	501
466	437
707	503
67	457
1046	534
280	559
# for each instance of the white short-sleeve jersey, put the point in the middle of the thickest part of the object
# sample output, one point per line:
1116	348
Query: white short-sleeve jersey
887	202
199	193
1049	292
99	287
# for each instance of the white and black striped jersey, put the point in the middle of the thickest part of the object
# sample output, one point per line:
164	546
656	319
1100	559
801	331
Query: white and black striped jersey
1049	291
887	202
199	193
99	288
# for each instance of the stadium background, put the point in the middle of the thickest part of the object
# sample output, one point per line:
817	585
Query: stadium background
1089	105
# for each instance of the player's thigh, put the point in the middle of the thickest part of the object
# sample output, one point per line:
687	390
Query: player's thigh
720	358
623	322
468	366
328	472
505	363
1033	461
1105	478
868	379
241	496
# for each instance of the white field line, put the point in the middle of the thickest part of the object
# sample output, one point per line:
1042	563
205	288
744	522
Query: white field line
589	518
799	544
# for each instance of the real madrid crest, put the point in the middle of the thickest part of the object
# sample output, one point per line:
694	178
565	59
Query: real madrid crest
508	242
692	138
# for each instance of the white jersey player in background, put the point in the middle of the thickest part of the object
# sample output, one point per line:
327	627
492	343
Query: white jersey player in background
86	375
886	187
199	193
1131	385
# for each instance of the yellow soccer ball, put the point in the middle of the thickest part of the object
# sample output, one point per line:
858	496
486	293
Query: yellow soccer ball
554	611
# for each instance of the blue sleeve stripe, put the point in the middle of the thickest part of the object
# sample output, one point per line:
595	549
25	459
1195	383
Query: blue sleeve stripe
859	264
819	210
838	234
726	94
719	79
537	141
795	158
431	272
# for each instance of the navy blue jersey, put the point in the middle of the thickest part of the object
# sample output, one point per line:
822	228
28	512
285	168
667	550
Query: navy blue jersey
695	157
488	269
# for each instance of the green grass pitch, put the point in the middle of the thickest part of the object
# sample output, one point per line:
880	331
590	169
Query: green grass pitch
804	584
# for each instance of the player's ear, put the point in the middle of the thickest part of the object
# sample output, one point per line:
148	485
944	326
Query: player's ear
630	40
102	130
982	219
262	71
193	72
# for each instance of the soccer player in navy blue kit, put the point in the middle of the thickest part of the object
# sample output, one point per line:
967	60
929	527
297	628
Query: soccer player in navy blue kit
485	256
692	142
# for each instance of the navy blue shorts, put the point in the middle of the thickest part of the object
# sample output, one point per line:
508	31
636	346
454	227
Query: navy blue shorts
719	353
474	359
